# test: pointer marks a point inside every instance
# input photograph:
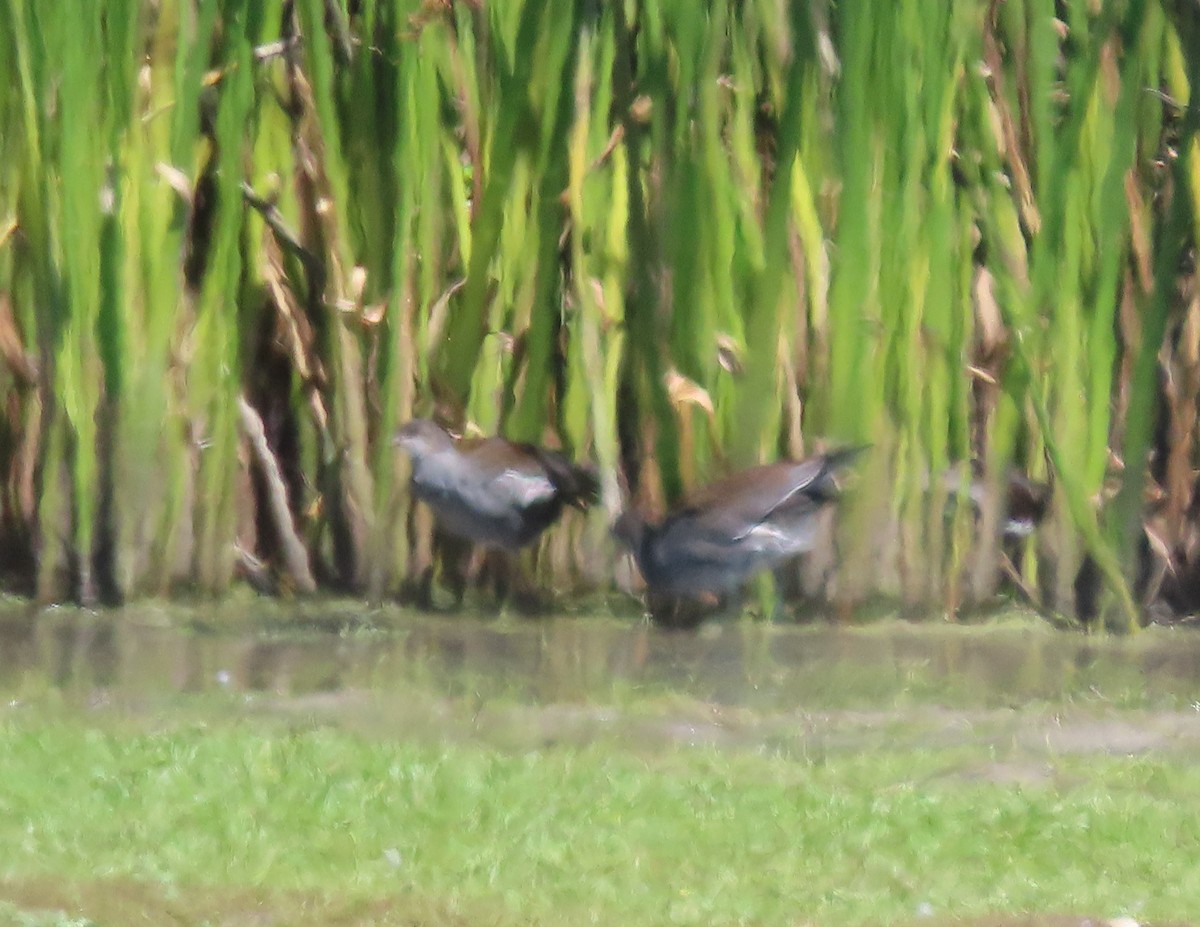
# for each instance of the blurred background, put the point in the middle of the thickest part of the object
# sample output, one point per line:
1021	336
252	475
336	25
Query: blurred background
240	242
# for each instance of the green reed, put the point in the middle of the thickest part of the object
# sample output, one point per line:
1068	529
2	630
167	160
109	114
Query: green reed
683	236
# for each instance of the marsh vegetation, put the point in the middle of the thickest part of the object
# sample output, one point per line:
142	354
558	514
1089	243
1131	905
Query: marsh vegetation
379	767
240	242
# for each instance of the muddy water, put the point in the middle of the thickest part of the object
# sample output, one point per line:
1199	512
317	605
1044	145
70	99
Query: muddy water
523	683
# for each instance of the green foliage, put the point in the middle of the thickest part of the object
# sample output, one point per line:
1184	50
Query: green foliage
552	836
679	236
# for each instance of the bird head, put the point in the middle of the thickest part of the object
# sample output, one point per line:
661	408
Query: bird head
420	436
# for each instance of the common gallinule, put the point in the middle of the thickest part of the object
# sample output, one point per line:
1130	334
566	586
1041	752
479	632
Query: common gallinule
1025	503
494	492
747	522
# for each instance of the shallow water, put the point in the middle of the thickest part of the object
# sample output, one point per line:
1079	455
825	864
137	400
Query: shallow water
1012	694
521	683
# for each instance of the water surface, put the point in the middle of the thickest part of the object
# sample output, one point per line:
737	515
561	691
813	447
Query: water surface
520	683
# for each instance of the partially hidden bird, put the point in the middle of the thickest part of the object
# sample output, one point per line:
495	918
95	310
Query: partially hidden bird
752	520
1026	501
492	491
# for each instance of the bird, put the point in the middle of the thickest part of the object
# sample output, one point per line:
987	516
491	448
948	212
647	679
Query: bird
750	521
1026	500
491	491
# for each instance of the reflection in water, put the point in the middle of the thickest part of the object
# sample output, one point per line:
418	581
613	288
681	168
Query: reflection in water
580	660
102	653
18	643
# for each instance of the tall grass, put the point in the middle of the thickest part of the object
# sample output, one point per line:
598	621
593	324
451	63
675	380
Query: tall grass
675	238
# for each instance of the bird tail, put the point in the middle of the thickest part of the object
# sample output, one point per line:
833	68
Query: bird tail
584	488
578	483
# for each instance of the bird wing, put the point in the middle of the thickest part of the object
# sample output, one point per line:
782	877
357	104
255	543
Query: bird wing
735	507
741	504
517	478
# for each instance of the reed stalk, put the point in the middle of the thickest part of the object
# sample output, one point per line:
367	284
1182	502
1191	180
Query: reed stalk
671	238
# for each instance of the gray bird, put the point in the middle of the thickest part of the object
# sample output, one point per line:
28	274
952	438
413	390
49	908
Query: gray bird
494	492
1026	501
750	521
